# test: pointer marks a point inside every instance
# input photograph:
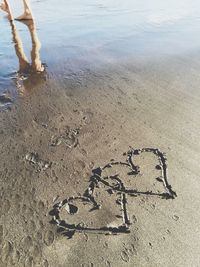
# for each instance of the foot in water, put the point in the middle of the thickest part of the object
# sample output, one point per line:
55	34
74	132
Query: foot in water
5	7
25	16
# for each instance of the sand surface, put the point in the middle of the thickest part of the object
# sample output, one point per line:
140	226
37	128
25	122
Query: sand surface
76	125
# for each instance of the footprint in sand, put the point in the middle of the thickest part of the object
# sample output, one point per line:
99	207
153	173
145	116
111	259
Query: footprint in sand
5	100
34	159
69	137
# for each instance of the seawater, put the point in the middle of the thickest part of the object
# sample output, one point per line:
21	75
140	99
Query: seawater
86	33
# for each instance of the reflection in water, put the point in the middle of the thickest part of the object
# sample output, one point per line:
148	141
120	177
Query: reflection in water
29	74
92	33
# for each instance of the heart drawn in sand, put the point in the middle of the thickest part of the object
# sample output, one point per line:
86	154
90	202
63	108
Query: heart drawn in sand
98	210
103	206
132	179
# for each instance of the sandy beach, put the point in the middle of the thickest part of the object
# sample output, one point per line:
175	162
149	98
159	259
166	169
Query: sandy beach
113	109
69	122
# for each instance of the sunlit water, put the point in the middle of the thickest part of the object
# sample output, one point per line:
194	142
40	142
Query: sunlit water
86	33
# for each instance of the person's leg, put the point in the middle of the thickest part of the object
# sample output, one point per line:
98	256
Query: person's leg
35	53
24	65
36	65
27	12
6	7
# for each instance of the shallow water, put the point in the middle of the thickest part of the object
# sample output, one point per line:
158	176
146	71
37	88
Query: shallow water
84	34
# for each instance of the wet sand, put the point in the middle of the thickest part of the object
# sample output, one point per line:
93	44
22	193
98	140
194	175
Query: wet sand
82	122
99	153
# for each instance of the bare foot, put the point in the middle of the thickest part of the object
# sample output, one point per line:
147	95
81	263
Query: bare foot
5	7
25	16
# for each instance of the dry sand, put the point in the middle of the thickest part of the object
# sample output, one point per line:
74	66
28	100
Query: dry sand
145	105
